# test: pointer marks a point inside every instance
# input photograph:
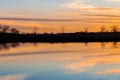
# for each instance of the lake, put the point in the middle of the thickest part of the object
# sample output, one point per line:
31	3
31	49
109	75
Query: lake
60	61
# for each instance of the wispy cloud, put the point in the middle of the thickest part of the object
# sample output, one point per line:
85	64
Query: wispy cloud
103	15
13	77
113	0
33	19
77	5
84	5
91	20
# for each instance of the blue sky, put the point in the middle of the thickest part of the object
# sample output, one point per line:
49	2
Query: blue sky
43	7
82	12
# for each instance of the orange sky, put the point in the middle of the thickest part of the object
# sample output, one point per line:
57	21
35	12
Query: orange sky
50	16
55	27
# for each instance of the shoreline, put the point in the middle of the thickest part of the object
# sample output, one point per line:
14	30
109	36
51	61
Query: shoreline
62	37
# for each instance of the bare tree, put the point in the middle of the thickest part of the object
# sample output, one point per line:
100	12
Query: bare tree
4	28
86	30
103	29
63	29
114	28
35	29
0	28
14	30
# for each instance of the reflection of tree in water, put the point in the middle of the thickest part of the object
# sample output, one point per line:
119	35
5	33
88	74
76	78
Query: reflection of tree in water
4	46
105	44
7	46
35	43
115	44
86	43
14	45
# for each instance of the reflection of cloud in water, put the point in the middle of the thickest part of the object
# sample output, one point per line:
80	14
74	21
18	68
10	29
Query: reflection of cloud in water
73	57
85	65
13	77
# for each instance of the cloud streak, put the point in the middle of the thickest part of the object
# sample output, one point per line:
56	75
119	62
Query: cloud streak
77	5
83	5
13	77
103	15
33	19
90	20
113	0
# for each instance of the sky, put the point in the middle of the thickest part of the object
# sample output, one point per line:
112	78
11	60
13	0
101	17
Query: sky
52	15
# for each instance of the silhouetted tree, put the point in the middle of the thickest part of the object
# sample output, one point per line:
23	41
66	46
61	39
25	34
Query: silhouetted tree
63	29
0	28
35	29
86	30
114	28
103	29
4	28
13	30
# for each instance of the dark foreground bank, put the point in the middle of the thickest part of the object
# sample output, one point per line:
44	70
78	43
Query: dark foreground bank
61	37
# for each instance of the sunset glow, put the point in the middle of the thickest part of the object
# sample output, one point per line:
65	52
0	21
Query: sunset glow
51	15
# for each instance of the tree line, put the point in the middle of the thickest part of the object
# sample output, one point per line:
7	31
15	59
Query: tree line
103	29
8	29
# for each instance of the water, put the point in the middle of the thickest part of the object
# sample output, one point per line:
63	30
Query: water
68	61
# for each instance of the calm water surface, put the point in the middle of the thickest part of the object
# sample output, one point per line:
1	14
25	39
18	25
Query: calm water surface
68	61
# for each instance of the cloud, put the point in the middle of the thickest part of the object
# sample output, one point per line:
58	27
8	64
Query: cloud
77	5
13	77
33	19
113	0
91	20
83	5
89	15
103	15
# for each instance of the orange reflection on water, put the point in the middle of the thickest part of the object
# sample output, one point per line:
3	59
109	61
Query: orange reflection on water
111	71
72	57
